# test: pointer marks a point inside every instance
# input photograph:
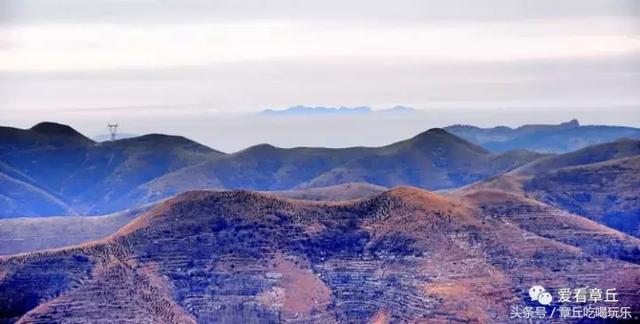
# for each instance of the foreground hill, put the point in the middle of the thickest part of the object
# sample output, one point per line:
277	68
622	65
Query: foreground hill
60	163
503	199
601	182
432	160
28	234
562	138
345	191
236	256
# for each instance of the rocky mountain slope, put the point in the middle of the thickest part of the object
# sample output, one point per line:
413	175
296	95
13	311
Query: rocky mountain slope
28	234
600	182
345	191
237	256
607	192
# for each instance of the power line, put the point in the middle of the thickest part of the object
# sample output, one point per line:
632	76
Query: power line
113	129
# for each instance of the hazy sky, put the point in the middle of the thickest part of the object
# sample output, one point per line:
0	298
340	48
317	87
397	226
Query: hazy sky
92	61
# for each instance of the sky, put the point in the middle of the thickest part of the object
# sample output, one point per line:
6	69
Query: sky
166	65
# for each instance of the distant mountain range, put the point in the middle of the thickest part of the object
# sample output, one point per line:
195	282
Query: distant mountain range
313	111
52	170
562	138
434	159
335	237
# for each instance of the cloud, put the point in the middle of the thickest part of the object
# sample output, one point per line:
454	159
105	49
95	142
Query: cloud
375	81
163	11
247	55
110	46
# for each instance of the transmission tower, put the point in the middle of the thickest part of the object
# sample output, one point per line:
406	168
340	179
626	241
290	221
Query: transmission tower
113	129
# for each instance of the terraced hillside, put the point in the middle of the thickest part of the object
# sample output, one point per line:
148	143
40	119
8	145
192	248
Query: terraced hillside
550	222
236	256
608	192
600	182
28	234
345	191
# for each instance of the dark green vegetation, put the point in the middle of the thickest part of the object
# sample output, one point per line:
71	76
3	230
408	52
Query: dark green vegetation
404	255
561	138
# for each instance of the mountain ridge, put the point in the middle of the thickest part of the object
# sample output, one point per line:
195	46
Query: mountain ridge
266	167
88	175
558	138
598	182
301	110
56	129
243	256
104	177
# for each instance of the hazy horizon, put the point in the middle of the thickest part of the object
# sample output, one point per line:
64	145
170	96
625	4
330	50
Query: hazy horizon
202	69
233	132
